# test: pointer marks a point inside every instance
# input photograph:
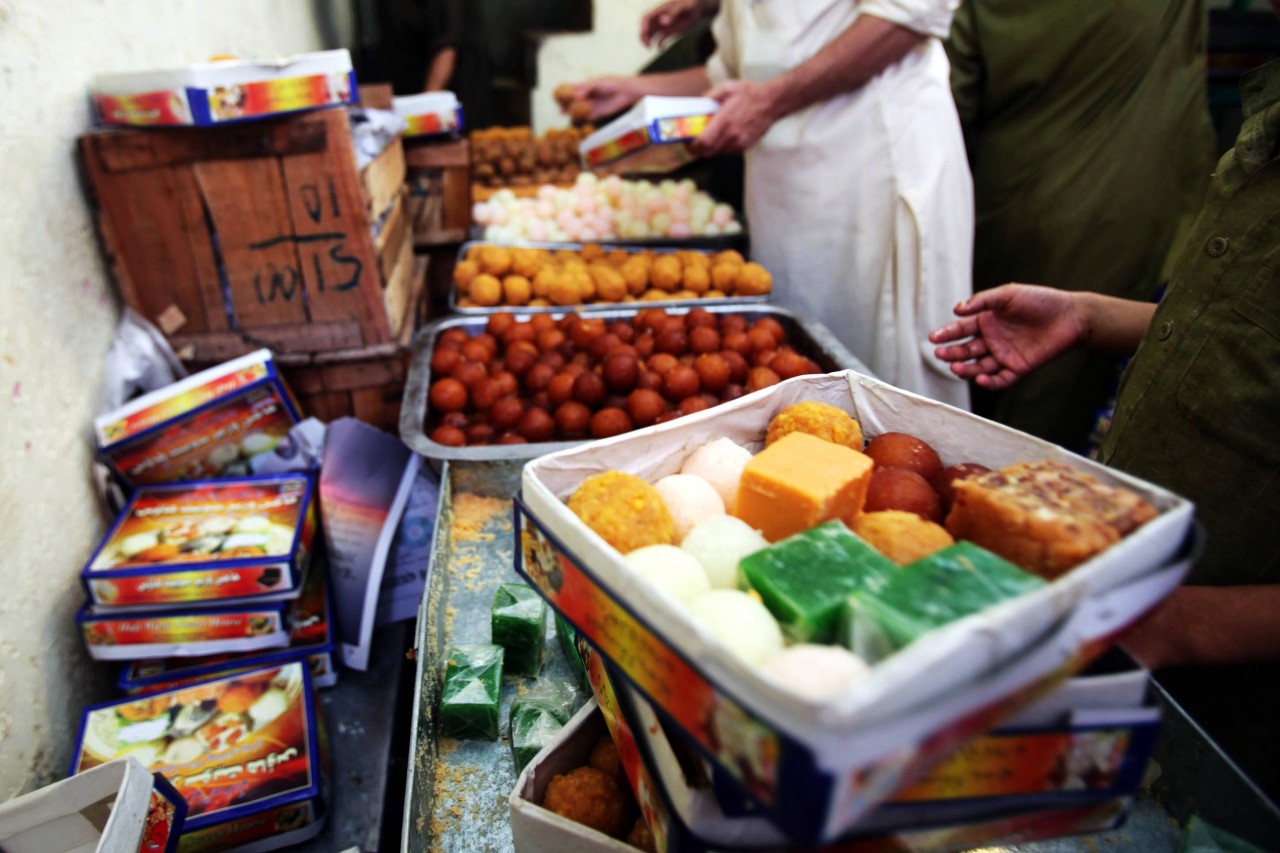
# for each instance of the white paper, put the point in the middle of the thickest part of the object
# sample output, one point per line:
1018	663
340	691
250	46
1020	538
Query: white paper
410	555
362	485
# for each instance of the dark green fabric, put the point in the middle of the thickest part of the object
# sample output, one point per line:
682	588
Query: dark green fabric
1089	138
1199	408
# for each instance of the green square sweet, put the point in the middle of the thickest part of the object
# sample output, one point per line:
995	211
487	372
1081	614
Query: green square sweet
519	624
806	579
472	692
931	592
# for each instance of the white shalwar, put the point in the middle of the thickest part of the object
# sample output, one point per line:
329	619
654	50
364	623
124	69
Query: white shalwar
861	206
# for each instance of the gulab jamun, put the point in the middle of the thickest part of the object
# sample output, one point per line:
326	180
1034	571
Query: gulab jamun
449	436
680	382
712	370
620	371
761	377
609	421
536	425
506	413
589	389
944	482
898	488
447	395
645	406
900	450
572	419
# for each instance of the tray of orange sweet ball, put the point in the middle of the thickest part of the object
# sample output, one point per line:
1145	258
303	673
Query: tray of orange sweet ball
516	386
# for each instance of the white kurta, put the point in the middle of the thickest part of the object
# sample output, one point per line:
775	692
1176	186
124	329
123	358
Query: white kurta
860	206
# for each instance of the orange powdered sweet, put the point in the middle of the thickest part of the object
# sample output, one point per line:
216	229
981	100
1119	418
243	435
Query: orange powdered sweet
816	419
624	510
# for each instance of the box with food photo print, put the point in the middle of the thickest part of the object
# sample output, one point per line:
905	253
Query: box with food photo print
207	542
210	424
247	753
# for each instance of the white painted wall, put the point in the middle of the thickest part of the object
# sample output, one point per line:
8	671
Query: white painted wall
613	47
57	313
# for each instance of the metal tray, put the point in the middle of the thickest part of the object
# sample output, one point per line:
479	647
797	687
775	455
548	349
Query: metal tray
807	337
456	790
633	248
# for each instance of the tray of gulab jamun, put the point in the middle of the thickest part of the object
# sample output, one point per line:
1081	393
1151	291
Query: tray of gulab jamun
516	386
489	277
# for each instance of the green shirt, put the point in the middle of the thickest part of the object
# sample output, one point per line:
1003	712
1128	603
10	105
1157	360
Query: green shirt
1089	138
1199	407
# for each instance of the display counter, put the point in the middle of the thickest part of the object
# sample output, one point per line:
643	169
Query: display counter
456	791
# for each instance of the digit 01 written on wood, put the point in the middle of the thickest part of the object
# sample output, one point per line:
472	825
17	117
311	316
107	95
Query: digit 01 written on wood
263	234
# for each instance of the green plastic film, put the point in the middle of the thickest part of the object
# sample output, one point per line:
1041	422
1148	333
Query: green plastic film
518	624
472	692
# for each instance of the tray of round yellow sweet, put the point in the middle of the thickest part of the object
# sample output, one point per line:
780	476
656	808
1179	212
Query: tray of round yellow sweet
491	277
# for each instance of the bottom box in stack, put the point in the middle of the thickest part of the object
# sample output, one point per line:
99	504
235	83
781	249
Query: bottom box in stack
1069	764
310	632
247	752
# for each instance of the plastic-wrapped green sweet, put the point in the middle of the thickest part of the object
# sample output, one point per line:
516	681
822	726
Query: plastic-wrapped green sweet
537	717
518	623
472	692
945	586
805	579
568	639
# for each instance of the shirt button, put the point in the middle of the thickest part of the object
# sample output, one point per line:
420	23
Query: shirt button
1217	247
1166	329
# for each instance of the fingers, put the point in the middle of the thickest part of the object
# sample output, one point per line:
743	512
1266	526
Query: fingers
712	137
954	331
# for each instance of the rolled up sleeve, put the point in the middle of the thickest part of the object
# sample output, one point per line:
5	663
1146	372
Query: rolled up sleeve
927	17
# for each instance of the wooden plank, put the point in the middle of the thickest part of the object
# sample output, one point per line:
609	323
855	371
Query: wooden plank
204	259
395	231
363	374
338	267
421	307
435	239
376	95
127	150
457	198
400	289
379	407
437	155
246	201
304	338
382	180
304	379
327	406
145	235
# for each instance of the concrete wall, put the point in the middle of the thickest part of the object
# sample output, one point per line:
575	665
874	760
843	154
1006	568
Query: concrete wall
57	313
613	47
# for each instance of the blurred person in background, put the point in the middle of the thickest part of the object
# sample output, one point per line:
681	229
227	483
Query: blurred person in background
857	194
1070	112
1198	411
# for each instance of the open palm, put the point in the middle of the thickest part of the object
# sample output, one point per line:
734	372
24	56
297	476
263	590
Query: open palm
1011	330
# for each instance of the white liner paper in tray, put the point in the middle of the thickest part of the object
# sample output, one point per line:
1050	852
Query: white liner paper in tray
916	693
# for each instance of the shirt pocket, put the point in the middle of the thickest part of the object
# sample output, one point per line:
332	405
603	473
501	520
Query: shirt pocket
1231	388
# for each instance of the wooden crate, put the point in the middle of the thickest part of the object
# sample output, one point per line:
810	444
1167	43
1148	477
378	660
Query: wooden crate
367	384
439	179
255	234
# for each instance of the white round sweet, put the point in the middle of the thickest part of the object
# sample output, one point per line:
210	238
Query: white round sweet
719	543
816	672
689	500
744	624
720	463
669	568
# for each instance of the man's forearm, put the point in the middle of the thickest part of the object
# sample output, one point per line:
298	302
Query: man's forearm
441	70
1210	625
1112	324
685	82
868	46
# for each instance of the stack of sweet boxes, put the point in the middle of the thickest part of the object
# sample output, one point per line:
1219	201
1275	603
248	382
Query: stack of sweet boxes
204	588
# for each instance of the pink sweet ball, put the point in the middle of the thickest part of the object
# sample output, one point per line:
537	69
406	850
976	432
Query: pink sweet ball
814	671
546	192
689	500
720	463
680	230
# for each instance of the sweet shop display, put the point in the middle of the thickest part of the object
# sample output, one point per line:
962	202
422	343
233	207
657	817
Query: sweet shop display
516	159
611	208
536	379
495	276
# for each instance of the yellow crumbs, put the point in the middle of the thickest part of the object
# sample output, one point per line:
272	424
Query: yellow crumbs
472	512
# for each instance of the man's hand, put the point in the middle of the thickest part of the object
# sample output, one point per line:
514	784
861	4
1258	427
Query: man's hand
1012	330
667	21
606	95
747	111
